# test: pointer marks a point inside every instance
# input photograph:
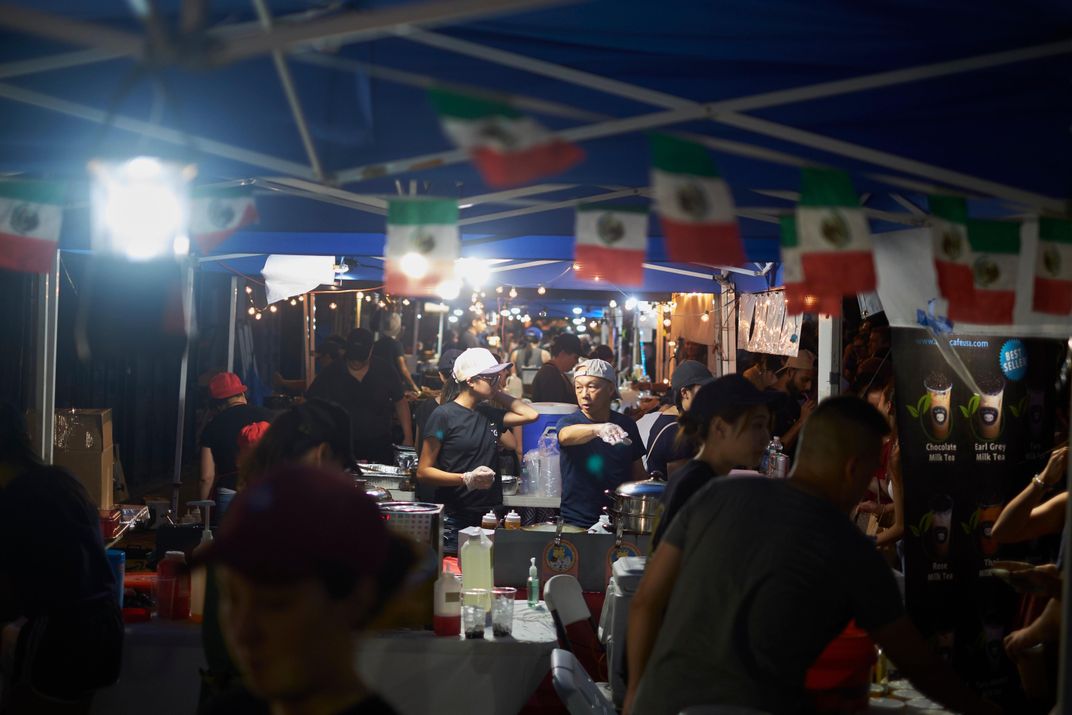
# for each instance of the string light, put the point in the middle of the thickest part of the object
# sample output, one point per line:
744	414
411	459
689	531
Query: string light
541	290
666	322
301	298
272	308
382	304
613	303
499	289
257	316
630	304
249	290
368	298
293	301
513	292
576	266
405	301
252	310
333	305
668	308
705	317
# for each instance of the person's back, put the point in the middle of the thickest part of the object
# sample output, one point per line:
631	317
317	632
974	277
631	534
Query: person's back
780	573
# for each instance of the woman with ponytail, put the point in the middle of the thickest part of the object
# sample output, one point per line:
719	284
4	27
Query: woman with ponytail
729	419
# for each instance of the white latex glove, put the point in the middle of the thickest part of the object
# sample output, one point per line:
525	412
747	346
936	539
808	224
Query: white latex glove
612	434
479	478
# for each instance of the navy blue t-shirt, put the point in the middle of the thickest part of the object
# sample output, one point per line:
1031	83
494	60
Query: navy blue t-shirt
590	469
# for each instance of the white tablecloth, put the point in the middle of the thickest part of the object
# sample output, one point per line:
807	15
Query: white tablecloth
415	671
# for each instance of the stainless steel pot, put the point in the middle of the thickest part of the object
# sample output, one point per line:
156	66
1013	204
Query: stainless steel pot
510	484
637	505
378	493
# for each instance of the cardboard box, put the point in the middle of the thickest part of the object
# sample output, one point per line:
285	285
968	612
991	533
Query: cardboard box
93	470
78	430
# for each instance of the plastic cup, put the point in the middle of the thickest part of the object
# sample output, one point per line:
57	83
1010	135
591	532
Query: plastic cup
502	610
474	612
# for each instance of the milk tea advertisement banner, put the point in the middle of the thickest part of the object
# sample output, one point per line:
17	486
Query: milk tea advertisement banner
964	456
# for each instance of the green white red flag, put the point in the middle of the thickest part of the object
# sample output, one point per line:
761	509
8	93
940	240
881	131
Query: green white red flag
611	243
422	245
508	148
31	215
694	204
835	240
216	214
995	250
1053	267
800	296
952	250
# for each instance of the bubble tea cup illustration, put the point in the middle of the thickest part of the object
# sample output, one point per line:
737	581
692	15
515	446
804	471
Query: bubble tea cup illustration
988	416
939	388
940	530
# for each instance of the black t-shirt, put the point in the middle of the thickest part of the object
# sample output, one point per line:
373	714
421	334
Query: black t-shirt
221	436
51	551
663	445
370	402
389	350
241	702
550	385
424	410
787	571
468	439
685	482
785	411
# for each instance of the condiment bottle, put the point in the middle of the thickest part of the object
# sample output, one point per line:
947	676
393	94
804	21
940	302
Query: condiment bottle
513	520
534	584
447	611
476	565
489	520
173	587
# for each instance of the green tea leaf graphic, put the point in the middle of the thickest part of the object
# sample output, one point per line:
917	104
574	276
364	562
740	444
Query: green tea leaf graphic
920	402
1014	410
973	404
964	411
974	521
967	529
1022	404
928	519
912	411
914	530
926	402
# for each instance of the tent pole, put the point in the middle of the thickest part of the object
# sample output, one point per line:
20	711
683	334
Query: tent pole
48	300
1064	670
180	426
231	321
416	329
828	372
440	334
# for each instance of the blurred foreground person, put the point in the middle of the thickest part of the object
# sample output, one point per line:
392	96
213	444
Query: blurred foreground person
62	631
788	570
293	598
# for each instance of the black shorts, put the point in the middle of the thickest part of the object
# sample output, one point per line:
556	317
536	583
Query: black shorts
68	654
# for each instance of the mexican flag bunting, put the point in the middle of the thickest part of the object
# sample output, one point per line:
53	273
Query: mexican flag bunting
31	214
611	243
995	249
508	148
952	251
800	296
1053	267
216	214
694	204
835	241
422	244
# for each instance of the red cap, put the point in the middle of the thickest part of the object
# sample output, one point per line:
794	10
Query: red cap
251	434
224	385
296	522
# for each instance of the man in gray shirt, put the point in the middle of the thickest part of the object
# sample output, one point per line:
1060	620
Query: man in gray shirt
755	577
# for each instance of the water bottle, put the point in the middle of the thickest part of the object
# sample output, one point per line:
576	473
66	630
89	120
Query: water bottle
777	462
764	462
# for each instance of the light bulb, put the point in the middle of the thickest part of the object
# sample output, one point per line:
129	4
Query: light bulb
666	322
630	304
405	301
577	310
273	308
513	292
498	289
333	305
248	290
293	301
705	317
301	298
613	303
368	298
252	310
541	290
257	316
576	266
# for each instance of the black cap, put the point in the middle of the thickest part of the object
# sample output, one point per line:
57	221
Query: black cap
359	344
446	361
728	391
689	373
332	345
566	343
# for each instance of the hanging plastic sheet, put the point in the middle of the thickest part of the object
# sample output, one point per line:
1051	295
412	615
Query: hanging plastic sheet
746	308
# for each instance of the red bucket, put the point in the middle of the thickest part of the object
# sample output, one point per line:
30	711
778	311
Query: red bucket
839	681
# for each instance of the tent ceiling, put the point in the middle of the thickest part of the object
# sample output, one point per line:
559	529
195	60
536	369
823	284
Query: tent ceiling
887	92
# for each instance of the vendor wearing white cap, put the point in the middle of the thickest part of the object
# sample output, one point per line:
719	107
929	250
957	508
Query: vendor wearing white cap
459	452
600	448
791	410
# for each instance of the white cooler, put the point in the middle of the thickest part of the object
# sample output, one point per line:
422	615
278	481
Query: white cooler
625	577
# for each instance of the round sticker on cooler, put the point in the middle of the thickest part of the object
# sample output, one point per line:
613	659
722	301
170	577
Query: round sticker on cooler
560	557
1013	360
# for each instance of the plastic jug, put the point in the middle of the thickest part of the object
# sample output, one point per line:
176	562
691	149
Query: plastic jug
447	612
173	587
476	563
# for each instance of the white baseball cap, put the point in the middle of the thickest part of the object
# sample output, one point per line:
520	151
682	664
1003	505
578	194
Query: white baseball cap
597	368
477	361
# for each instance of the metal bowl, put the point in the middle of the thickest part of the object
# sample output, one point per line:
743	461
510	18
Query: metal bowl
510	485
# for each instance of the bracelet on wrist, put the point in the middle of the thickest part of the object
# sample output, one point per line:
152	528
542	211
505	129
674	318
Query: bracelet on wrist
1037	481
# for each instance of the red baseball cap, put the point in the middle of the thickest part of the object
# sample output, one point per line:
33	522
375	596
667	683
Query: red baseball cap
296	522
224	385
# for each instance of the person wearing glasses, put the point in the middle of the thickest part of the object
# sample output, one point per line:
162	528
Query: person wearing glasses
459	444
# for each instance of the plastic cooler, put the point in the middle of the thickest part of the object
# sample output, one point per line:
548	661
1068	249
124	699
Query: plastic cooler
840	679
550	413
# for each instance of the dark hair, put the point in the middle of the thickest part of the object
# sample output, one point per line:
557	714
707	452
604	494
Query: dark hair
397	563
603	352
692	430
15	445
566	342
840	427
295	432
451	389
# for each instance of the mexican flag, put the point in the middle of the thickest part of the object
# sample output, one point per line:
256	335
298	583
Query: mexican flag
31	214
215	214
611	243
952	251
508	148
1053	267
995	249
422	244
800	296
835	241
694	204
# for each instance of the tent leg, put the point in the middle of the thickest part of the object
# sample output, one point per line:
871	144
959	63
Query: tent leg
828	373
180	426
231	320
1064	670
48	301
440	334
